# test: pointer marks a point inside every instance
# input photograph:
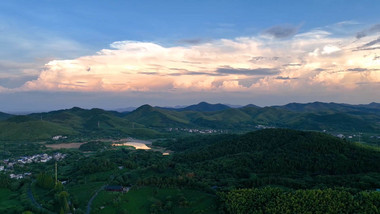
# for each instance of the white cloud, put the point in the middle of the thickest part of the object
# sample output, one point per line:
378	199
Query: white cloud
314	58
329	49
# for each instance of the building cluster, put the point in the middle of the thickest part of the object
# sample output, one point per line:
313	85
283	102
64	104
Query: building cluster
59	137
200	131
264	127
20	176
38	158
354	136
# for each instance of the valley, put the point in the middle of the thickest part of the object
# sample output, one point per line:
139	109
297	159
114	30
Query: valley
192	160
189	107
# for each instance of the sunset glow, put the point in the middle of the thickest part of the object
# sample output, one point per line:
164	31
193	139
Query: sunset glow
338	59
241	64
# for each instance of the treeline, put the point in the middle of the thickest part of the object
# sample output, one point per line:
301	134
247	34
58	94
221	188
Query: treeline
58	196
276	200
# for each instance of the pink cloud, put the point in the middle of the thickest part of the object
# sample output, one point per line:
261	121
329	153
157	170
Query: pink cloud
145	66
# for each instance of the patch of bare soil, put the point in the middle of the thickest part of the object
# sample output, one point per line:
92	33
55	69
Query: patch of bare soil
64	146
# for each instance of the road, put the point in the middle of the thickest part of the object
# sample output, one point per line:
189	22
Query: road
34	202
88	210
31	197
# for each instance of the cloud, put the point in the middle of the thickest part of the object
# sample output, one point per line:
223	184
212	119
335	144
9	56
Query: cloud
292	64
316	59
263	58
281	31
368	83
248	72
329	49
357	69
371	43
15	82
319	69
349	22
366	49
13	69
373	29
194	41
286	78
248	82
362	69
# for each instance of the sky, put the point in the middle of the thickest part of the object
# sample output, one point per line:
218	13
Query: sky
116	54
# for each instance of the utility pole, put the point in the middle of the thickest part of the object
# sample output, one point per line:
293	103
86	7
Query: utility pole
56	173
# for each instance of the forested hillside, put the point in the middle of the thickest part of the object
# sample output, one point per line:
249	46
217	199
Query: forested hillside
265	171
277	200
283	157
153	122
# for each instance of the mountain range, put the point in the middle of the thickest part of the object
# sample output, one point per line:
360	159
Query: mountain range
149	122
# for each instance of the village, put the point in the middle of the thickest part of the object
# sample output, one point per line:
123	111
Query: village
9	164
199	131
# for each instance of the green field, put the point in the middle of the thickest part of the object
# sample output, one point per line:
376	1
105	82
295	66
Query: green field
9	201
155	200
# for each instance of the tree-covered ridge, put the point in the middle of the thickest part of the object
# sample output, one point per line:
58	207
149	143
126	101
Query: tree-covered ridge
4	116
71	122
284	151
283	157
331	107
276	200
154	122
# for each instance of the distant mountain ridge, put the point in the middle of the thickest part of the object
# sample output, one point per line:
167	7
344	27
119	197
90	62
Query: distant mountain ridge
147	121
201	107
320	106
4	116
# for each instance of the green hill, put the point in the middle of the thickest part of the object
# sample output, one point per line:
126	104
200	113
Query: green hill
280	156
97	122
147	121
72	122
226	119
4	116
156	117
331	107
205	107
33	130
286	151
246	118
